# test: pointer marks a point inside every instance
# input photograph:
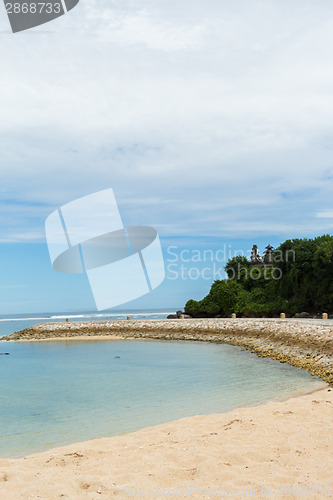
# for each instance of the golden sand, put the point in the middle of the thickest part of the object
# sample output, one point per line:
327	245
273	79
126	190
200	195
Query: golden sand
279	450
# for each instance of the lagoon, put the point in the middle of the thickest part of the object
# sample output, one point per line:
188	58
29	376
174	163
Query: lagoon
56	393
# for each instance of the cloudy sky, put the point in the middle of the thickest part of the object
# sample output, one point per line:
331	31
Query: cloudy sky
211	120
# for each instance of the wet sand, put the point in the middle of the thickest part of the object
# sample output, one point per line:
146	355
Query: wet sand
279	450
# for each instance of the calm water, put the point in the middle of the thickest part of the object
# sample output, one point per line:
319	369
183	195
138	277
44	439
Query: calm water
55	393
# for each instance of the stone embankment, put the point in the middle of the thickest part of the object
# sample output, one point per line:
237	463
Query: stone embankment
304	343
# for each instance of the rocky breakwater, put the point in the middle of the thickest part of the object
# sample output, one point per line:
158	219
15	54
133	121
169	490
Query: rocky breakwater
304	343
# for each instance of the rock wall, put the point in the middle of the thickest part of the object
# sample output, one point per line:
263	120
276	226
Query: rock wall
307	344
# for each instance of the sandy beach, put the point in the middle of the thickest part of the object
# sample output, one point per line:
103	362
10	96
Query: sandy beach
279	450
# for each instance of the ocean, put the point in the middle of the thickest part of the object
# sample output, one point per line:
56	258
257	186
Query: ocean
16	322
56	393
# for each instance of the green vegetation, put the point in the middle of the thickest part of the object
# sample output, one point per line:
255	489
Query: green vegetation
300	279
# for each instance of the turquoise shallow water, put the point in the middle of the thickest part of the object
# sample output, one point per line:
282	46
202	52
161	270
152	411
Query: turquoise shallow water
55	393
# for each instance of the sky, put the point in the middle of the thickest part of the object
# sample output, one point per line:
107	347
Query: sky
211	120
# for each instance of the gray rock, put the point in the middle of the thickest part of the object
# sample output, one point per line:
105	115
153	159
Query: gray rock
302	315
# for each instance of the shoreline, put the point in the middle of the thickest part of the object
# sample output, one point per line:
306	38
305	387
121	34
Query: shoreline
303	343
206	451
322	386
264	450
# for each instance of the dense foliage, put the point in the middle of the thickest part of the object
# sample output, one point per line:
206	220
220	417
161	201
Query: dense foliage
300	279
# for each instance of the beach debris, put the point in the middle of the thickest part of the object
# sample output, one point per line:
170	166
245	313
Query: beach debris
117	357
4	353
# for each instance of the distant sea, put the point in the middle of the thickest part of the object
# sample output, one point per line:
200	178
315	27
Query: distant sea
56	393
16	322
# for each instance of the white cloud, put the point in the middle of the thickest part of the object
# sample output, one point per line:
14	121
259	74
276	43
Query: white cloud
203	116
325	215
144	30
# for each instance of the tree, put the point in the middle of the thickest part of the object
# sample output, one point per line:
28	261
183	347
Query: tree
301	279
